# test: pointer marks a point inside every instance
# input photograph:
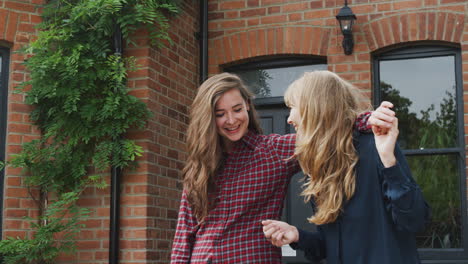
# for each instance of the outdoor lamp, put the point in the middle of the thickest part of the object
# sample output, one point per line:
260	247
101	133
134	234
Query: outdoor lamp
346	19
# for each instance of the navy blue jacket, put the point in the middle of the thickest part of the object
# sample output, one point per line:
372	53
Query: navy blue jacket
378	223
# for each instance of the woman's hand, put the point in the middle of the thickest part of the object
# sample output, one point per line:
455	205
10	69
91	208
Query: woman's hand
280	233
385	143
381	119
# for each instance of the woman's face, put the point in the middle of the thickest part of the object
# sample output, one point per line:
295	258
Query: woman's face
294	117
232	118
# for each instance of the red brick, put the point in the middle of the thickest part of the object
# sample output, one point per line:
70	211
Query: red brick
17	192
449	27
231	5
289	38
452	1
384	7
11	26
413	27
15	234
271	41
227	49
431	26
273	19
317	14
253	12
294	7
405	29
295	17
459	23
395	24
271	2
274	10
377	33
386	29
3	22
253	22
16	213
407	4
325	41
430	2
316	4
20	7
422	21
252	38
231	24
441	18
253	3
19	128
261	42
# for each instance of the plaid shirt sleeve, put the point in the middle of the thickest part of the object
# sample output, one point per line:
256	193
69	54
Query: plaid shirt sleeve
284	147
185	233
361	122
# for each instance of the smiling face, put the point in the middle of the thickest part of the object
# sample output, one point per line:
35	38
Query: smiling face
232	118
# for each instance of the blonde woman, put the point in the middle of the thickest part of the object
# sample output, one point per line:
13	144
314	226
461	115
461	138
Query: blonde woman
234	177
367	207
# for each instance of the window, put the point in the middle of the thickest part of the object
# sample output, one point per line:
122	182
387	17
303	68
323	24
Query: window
269	79
425	85
4	63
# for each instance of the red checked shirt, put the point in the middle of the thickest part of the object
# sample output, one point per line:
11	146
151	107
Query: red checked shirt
251	187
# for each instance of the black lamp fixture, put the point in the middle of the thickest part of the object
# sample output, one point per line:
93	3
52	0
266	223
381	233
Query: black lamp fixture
346	18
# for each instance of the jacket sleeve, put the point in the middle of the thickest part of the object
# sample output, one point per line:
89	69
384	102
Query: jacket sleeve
403	197
185	233
312	243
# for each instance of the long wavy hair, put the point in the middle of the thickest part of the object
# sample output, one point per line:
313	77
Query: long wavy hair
328	106
204	144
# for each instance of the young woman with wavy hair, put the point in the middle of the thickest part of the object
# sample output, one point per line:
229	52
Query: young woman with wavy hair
234	178
366	205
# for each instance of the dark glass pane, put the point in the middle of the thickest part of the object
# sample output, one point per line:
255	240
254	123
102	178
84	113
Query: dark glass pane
439	177
274	82
423	92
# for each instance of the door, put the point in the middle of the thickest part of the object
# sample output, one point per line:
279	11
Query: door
273	119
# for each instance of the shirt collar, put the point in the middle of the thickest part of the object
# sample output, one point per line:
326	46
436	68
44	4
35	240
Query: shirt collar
250	139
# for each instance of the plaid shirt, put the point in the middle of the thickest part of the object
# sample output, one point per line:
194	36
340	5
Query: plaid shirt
251	187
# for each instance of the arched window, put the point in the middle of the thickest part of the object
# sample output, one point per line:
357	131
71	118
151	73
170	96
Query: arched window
425	85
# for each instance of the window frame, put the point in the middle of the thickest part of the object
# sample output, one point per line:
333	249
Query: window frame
428	51
5	62
273	63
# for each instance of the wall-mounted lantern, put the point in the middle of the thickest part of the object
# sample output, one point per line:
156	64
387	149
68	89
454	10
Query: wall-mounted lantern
346	18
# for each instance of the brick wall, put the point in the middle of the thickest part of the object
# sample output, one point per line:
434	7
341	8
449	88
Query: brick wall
150	194
17	20
150	200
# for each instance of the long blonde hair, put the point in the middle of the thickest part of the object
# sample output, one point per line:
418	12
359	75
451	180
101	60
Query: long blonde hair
204	145
328	107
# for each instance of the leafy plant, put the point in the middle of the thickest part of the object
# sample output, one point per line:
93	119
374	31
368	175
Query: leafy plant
82	108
